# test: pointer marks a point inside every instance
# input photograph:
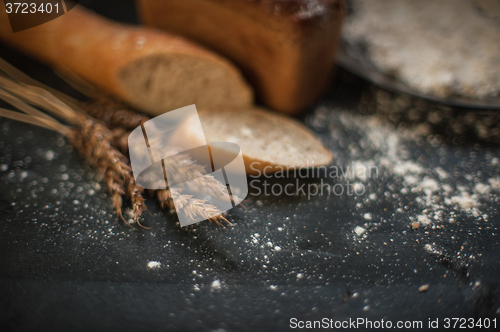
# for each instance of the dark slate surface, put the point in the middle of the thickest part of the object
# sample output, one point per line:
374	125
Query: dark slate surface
67	263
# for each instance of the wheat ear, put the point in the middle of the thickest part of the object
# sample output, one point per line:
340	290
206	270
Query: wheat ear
90	135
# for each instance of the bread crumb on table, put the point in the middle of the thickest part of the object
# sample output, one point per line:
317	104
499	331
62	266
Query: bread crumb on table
423	288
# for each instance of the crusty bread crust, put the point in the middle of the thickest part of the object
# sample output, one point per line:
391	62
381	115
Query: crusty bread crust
286	49
98	50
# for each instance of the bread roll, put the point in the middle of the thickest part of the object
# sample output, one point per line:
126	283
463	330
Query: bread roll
269	142
286	49
153	71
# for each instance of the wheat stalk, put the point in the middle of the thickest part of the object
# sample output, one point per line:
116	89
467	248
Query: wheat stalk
92	139
191	207
112	112
117	115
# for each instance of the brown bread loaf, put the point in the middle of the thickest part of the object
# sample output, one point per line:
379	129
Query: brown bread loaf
153	71
285	48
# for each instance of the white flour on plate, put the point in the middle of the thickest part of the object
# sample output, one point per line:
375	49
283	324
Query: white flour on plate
443	48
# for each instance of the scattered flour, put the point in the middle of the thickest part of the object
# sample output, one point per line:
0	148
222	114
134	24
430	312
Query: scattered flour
50	155
405	167
216	284
359	230
482	188
154	265
495	183
463	200
437	192
443	175
424	220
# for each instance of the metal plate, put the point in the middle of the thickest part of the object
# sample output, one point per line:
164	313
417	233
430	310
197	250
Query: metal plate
354	58
349	59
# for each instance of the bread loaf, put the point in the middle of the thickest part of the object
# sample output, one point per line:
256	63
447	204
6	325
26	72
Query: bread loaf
285	48
153	71
269	142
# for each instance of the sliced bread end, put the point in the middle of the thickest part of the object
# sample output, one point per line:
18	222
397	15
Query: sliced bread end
269	142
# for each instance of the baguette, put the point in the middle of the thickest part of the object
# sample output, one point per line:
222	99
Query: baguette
269	142
285	48
153	71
